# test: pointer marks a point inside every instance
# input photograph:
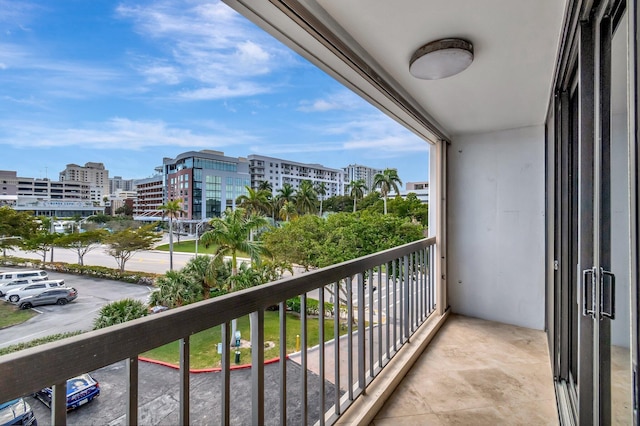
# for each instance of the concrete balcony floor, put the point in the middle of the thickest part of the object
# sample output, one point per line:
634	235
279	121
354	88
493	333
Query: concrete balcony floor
476	372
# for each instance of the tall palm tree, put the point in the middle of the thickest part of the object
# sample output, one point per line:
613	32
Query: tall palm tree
386	181
265	185
356	190
286	193
288	210
172	210
321	190
306	197
255	202
231	234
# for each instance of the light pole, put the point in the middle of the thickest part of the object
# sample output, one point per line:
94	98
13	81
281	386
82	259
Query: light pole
198	225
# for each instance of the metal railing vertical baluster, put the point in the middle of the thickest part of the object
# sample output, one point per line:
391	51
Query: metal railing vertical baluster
336	345
395	305
283	362
405	287
361	333
349	339
59	404
380	317
304	362
184	381
257	367
225	390
370	306
321	352
132	391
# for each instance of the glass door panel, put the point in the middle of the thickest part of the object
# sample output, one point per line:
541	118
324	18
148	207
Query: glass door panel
615	291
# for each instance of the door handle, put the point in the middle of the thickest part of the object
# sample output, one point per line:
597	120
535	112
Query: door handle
585	281
611	311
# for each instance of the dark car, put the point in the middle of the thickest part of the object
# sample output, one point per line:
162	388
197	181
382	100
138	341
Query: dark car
80	390
17	412
60	296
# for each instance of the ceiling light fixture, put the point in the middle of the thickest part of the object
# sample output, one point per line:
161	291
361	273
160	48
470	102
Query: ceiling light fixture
441	59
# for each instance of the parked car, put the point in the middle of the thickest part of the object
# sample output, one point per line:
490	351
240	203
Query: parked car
60	296
32	289
80	390
14	275
17	283
17	412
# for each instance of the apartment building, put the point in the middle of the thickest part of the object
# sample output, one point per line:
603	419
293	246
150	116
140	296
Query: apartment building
354	172
95	174
149	197
207	181
43	189
278	171
118	183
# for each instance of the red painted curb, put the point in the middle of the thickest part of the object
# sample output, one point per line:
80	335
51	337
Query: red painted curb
205	370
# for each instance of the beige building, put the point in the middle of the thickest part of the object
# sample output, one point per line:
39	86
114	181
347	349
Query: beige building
93	173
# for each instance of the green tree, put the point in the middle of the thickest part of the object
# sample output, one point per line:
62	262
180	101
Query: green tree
118	312
42	240
286	194
83	243
338	203
265	185
288	211
387	180
321	190
125	210
306	197
124	244
14	227
255	202
231	234
172	210
210	271
357	189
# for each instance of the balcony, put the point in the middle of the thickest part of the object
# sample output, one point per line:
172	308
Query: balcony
472	368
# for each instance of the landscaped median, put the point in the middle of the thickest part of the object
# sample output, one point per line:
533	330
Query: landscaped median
134	277
10	314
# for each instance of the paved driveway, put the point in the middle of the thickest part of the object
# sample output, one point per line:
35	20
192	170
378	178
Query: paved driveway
93	293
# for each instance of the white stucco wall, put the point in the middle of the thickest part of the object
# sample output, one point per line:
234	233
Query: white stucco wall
496	226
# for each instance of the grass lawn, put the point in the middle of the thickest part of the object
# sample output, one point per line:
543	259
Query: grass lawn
11	315
204	350
190	247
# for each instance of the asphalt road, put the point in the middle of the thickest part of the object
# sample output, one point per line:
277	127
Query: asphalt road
93	293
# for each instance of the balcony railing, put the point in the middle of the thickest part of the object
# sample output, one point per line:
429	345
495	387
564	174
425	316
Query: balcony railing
380	301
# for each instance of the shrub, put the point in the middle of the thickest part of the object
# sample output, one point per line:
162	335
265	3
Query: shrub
118	312
20	346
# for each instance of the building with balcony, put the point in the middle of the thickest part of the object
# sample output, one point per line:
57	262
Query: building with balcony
277	172
355	172
208	182
522	305
149	198
95	174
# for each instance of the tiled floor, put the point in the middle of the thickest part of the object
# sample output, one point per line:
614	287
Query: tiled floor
476	372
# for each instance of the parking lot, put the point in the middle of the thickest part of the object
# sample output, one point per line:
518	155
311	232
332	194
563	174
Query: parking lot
93	293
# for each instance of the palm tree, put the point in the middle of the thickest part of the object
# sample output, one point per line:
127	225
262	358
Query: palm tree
231	234
386	181
306	197
288	210
321	190
286	193
173	209
265	185
357	188
255	202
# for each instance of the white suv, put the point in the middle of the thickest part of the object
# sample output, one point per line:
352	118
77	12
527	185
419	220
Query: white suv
7	276
19	282
32	289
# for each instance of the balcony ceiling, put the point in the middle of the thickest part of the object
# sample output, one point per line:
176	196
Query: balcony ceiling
507	85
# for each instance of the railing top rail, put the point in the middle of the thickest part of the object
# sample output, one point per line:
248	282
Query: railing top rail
96	349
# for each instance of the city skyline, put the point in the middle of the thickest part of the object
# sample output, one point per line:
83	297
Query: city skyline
129	83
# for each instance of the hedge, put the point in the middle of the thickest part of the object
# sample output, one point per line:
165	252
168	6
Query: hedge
146	278
313	307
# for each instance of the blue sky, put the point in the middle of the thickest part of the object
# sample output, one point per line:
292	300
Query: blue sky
128	83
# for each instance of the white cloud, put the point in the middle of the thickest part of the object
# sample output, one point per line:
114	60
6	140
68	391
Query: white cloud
343	100
118	133
207	43
223	92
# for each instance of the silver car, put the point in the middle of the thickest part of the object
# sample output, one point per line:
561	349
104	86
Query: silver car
59	296
16	294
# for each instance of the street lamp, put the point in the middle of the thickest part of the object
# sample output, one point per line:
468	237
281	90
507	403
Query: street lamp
198	225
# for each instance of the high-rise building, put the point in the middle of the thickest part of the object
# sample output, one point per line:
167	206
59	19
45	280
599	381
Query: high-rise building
277	172
149	197
355	172
118	183
94	174
208	182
